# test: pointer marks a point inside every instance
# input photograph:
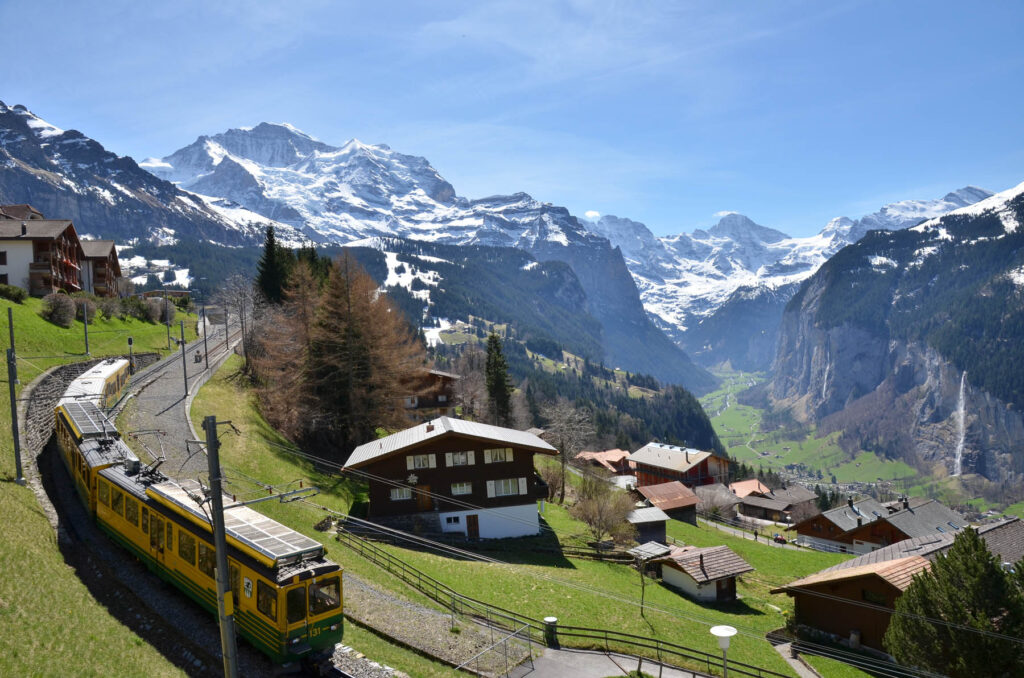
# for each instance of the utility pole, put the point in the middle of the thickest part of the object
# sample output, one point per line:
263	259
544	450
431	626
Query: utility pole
206	330
12	379
131	357
225	604
225	327
167	320
184	363
85	323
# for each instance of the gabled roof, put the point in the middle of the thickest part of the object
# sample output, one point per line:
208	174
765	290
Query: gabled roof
651	549
765	503
35	229
928	518
845	517
668	496
671	457
21	211
97	248
898	573
647	515
706	564
442	427
606	458
744	487
794	494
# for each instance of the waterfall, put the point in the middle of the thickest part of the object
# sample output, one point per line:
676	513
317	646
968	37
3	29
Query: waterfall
828	366
961	428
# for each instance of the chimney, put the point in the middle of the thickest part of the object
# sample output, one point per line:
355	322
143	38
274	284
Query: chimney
24	228
849	500
430	427
702	561
906	502
860	521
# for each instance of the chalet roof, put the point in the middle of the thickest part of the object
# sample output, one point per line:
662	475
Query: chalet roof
899	573
35	229
606	458
744	487
715	494
845	517
765	503
794	494
21	211
928	518
97	248
443	427
651	514
671	457
706	564
1005	539
651	549
445	375
668	496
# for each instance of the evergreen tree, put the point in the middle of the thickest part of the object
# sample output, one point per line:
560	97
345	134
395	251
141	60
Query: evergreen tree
272	269
499	386
965	587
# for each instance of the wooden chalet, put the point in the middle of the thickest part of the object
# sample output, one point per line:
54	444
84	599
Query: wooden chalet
614	461
704	574
649	523
40	255
832	601
866	525
675	499
101	270
657	463
778	506
451	475
434	397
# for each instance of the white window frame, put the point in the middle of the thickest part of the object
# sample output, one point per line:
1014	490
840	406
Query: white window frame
416	462
498	455
506	487
452	520
459	458
466	486
401	493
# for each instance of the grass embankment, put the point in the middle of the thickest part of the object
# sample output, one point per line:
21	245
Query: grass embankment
51	623
739	428
579	592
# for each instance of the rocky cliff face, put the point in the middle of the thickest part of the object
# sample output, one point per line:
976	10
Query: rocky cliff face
902	342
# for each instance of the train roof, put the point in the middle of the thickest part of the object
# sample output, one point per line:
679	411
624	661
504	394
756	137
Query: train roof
132	477
273	542
91	382
87	419
104	452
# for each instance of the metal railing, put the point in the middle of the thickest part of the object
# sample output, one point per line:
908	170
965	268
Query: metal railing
659	651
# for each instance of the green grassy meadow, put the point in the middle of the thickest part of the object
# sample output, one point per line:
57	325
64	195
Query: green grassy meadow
51	623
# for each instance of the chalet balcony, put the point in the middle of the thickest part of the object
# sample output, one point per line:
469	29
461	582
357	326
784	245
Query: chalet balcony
541	488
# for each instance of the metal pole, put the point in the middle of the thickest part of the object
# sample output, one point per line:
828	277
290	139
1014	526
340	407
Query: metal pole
225	603
226	328
167	321
184	363
10	324
85	323
131	357
206	328
725	663
12	379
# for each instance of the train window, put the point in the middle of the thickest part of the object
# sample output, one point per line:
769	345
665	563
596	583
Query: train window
266	599
324	595
235	580
145	520
117	501
296	607
131	511
170	537
104	493
187	547
207	561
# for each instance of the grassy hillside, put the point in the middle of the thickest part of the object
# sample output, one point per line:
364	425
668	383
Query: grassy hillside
38	585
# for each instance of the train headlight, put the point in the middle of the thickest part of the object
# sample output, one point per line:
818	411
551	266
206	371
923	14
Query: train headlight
295	640
334	627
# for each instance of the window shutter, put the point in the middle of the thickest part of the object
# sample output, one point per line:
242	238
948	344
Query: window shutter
408	462
522	486
469	458
433	460
447	458
487	456
490	489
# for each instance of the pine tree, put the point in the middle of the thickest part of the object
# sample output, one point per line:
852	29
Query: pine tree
965	587
272	269
499	386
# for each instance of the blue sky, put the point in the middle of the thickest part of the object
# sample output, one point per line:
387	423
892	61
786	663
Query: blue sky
789	112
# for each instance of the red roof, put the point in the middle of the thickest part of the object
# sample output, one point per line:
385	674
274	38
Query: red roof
668	496
608	458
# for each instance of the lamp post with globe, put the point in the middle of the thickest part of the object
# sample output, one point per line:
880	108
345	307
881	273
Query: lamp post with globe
723	634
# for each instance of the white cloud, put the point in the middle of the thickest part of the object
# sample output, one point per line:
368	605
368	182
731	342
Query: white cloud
592	214
725	213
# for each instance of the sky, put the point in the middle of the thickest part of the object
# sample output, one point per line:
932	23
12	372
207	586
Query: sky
668	113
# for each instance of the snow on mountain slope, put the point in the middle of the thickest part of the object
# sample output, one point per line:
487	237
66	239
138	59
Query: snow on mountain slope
684	278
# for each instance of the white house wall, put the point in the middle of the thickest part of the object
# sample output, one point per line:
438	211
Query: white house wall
496	523
687	585
19	256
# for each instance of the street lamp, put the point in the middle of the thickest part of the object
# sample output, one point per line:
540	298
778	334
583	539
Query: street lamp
723	633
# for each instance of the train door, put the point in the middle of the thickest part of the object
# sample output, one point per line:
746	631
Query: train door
295	613
156	537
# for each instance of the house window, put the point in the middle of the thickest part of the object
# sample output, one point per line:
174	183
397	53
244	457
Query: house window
498	454
506	487
452	520
3	279
462	488
3	258
400	493
459	458
420	461
442	398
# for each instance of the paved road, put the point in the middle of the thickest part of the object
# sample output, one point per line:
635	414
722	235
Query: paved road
591	664
158	403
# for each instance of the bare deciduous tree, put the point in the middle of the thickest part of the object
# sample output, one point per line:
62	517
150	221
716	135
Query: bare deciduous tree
604	510
568	429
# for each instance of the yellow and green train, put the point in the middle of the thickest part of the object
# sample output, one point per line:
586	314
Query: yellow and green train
286	596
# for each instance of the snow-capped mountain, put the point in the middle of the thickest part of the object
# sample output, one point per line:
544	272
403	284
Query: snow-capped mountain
67	175
687	277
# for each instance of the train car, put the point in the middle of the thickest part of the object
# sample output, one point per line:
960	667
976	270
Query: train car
103	383
286	596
